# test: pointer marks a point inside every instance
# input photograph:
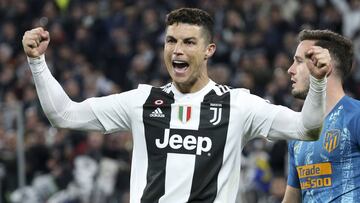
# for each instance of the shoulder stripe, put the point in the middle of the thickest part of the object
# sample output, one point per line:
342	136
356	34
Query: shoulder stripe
221	89
166	88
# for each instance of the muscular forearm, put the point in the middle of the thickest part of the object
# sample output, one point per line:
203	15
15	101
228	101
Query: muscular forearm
59	108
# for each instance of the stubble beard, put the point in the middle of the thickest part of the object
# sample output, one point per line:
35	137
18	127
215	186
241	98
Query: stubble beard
300	94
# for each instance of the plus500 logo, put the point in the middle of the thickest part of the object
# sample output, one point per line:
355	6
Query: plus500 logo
189	142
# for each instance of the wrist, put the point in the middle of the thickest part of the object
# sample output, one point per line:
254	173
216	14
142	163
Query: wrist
36	60
36	64
318	85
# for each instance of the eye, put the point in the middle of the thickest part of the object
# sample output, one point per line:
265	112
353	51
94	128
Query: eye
190	42
298	60
170	40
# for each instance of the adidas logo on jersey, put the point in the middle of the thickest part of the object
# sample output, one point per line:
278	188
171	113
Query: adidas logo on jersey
157	113
189	142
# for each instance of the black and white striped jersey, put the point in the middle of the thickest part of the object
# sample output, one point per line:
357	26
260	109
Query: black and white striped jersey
187	147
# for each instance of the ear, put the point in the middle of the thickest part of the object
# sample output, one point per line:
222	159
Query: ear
210	50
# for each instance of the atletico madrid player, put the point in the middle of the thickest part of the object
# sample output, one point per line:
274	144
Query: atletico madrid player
327	170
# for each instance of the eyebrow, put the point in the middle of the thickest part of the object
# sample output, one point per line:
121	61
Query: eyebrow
186	39
190	38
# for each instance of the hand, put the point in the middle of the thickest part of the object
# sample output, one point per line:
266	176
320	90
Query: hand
35	42
318	61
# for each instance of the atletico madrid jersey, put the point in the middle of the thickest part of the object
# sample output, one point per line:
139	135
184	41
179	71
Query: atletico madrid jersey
328	170
187	147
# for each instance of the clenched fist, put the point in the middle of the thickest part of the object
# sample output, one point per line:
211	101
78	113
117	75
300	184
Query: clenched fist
318	61
35	42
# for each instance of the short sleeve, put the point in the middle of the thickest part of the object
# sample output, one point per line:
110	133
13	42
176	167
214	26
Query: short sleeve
293	178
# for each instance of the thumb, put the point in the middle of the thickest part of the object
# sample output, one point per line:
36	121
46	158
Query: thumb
45	36
45	39
44	42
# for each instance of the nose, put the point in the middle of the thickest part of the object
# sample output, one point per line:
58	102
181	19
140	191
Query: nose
178	49
291	70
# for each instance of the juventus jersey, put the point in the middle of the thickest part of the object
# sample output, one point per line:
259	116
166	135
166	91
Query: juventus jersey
187	147
328	170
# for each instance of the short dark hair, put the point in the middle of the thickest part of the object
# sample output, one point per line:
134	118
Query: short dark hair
340	48
192	16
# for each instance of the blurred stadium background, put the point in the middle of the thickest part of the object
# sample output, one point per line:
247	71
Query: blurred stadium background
99	47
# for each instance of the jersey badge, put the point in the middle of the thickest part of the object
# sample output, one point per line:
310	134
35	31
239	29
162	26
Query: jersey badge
331	139
217	109
184	113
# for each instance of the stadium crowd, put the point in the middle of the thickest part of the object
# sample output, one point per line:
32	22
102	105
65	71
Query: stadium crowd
99	47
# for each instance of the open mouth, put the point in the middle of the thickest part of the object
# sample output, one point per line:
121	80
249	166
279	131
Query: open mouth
292	82
180	66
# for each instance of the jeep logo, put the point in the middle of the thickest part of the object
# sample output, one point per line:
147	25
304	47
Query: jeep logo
189	142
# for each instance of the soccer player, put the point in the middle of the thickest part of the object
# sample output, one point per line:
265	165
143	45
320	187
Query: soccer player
187	135
326	170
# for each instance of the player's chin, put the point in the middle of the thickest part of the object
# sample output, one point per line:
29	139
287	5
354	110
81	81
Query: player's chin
180	77
299	94
180	80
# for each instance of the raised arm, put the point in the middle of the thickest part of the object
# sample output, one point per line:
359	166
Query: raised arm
59	108
304	125
307	124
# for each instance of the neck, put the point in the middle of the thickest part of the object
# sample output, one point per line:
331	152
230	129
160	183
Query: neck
195	84
192	87
334	92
